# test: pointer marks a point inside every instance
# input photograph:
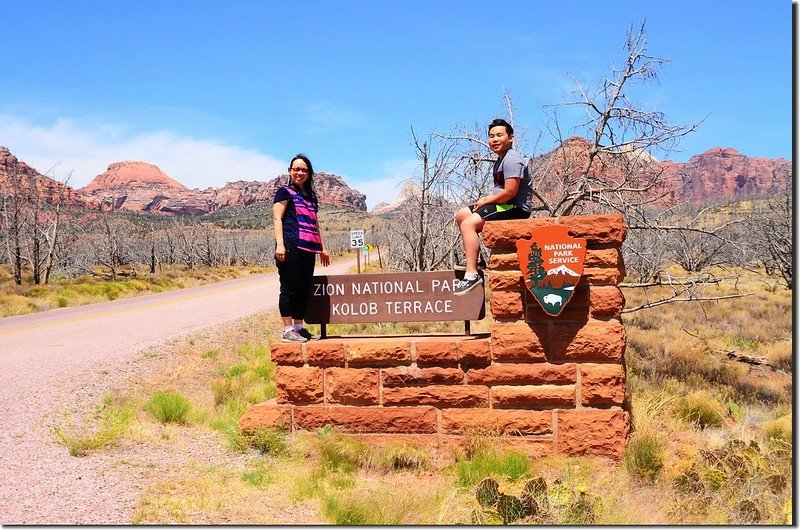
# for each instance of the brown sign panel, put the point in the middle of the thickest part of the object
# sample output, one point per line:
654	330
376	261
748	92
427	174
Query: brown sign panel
551	263
396	297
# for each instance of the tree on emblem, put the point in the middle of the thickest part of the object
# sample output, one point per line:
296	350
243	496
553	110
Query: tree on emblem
536	272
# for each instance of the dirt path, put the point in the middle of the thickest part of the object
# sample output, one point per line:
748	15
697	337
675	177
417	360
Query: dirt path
64	361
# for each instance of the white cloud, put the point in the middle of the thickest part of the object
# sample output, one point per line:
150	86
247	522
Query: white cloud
390	176
86	149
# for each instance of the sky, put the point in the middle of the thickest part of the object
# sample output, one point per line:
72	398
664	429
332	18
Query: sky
213	92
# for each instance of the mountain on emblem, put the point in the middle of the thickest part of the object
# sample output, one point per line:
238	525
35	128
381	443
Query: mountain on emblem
551	263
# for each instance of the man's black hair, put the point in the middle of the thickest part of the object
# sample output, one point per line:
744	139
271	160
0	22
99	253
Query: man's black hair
498	122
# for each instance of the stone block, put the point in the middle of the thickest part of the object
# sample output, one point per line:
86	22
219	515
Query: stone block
504	261
286	353
416	376
592	341
523	374
507	305
506	281
298	384
368	419
325	352
378	352
519	341
437	396
602	384
496	421
474	351
438	352
266	415
533	396
597	229
602	276
603	257
597	432
504	234
352	386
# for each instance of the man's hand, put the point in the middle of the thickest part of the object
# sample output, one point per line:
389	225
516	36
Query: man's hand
324	258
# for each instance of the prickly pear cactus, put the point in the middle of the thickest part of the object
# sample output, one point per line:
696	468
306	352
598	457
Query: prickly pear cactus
488	492
510	508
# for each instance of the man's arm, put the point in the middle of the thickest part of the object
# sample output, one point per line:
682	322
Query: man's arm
509	191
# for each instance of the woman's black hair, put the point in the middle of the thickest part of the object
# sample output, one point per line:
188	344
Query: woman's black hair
308	185
500	122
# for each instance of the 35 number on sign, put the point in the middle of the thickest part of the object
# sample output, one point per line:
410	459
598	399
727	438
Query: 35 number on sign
356	238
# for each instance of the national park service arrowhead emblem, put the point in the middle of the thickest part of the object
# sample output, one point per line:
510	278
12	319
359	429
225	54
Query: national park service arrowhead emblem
551	262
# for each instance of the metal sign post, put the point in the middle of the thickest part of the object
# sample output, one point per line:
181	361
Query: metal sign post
356	242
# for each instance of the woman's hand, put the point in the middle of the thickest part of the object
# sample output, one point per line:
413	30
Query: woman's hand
280	252
324	258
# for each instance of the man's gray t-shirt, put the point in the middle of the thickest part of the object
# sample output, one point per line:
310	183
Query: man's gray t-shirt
512	165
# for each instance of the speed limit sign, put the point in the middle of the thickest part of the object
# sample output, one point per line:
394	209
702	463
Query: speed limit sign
356	238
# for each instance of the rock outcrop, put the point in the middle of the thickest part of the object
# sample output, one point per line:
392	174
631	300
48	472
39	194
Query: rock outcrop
726	173
19	179
719	173
143	187
409	191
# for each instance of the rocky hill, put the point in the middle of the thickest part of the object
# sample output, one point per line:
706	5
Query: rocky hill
726	173
719	173
19	179
143	187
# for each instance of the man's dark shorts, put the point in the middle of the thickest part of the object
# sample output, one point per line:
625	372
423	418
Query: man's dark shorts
500	212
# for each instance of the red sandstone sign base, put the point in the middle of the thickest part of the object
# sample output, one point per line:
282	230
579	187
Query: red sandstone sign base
546	384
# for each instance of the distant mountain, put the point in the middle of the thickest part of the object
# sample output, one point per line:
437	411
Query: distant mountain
18	178
408	192
143	187
719	173
716	174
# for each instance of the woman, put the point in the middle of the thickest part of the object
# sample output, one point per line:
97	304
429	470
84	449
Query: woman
297	242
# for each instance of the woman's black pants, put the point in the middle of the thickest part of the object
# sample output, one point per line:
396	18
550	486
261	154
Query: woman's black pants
296	274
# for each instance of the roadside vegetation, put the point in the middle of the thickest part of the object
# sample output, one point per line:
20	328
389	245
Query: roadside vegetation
711	400
64	291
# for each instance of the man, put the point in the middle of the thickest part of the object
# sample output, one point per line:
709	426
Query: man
510	199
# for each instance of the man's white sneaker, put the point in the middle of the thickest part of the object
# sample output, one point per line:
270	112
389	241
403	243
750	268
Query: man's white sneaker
466	285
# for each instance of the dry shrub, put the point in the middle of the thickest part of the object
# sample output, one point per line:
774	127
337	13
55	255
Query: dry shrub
702	409
779	430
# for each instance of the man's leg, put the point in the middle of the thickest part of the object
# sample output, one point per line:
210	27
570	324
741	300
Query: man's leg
470	226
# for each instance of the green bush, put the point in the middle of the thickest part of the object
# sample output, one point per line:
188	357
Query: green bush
394	457
268	440
644	456
169	407
509	464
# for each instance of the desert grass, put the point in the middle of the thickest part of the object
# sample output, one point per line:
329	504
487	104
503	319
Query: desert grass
106	426
169	407
63	291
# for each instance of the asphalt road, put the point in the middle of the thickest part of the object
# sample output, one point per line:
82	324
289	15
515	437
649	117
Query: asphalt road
34	343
